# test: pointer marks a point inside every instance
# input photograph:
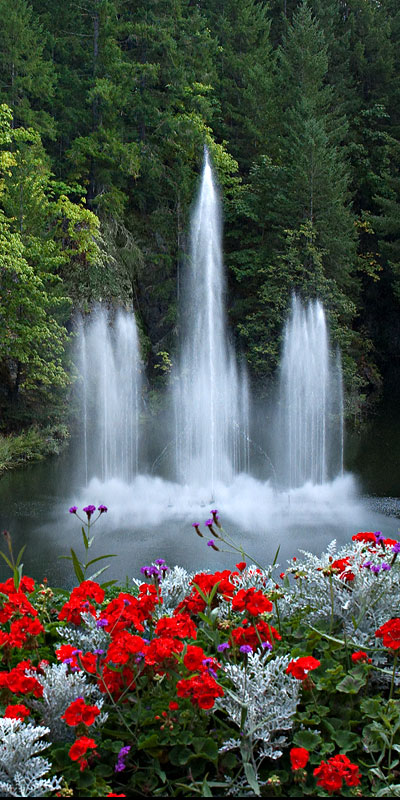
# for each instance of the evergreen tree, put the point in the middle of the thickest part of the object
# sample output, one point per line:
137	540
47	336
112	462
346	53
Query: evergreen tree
26	76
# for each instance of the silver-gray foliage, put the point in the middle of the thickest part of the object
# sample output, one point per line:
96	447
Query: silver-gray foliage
60	688
262	702
22	771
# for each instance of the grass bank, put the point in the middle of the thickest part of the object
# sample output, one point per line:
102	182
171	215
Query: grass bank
32	444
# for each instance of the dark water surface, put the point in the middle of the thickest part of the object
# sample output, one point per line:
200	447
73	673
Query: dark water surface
152	518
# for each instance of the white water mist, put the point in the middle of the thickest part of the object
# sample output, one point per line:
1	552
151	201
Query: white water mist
108	360
211	401
309	443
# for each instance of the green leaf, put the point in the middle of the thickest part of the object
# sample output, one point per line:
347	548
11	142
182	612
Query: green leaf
252	778
99	558
346	740
307	739
99	572
20	554
351	684
7	560
77	567
179	755
85	538
206	789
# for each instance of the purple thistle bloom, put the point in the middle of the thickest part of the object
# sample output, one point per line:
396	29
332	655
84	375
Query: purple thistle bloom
245	648
89	510
99	652
196	525
67	660
76	652
396	548
126	602
208	523
73	509
101	623
159	561
211	543
120	765
385	567
379	537
366	564
375	568
266	645
223	646
102	509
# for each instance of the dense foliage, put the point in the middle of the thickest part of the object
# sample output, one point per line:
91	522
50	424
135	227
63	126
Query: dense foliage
244	682
107	106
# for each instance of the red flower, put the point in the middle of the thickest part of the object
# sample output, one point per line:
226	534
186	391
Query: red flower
159	650
202	690
180	625
390	633
302	666
78	712
173	705
193	658
253	601
19	683
241	566
17	711
342	565
80	748
123	646
26	585
299	757
364	537
360	656
333	772
251	634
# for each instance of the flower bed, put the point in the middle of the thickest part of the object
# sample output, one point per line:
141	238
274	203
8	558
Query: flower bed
248	681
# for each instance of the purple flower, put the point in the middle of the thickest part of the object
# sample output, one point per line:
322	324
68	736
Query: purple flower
375	568
195	525
126	602
223	646
379	537
396	548
120	765
211	543
385	567
76	652
245	648
89	510
266	645
366	564
208	523
102	623
99	652
159	561
73	509
102	509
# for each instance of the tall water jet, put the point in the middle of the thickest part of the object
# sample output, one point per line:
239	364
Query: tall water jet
310	426
211	401
108	360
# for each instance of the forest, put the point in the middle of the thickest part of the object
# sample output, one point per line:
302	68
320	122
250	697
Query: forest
106	106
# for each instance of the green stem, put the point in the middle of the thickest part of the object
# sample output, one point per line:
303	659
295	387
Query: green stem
393	677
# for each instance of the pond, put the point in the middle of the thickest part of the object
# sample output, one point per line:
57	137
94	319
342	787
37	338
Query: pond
152	518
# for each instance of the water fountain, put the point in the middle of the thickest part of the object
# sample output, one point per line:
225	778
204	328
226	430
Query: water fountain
211	401
109	364
309	442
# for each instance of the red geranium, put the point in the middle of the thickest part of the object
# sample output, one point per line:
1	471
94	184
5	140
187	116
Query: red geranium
253	601
364	537
162	649
80	748
17	711
360	656
390	633
342	565
194	657
180	625
299	757
124	646
333	772
302	666
79	602
78	712
202	690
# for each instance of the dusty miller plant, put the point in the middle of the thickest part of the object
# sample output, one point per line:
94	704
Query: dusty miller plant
22	771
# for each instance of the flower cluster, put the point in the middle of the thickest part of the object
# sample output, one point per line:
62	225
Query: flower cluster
332	773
